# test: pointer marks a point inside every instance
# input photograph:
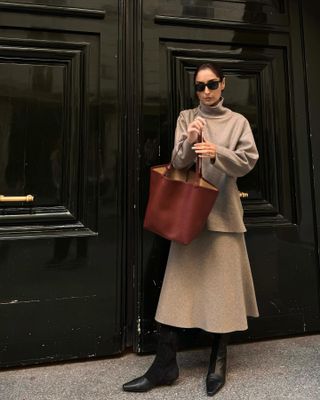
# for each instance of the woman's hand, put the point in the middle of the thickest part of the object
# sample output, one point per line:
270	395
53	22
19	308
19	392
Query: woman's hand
195	129
205	149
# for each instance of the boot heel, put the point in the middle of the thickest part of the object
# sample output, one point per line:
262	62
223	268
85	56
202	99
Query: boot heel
173	376
169	382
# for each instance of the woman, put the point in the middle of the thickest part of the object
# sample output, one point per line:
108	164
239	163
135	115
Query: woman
208	283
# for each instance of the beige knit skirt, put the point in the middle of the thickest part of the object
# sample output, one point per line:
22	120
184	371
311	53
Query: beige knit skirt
208	284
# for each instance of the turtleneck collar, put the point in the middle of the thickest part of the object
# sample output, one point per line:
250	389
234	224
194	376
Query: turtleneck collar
217	111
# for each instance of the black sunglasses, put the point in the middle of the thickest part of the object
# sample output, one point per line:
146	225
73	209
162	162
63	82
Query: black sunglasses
212	85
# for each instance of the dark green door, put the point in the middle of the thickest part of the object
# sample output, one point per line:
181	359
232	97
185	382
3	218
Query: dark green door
60	255
259	45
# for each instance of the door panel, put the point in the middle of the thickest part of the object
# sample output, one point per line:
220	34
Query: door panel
259	46
49	126
60	290
23	116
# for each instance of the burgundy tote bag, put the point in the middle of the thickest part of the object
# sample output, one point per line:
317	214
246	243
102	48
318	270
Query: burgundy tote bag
179	202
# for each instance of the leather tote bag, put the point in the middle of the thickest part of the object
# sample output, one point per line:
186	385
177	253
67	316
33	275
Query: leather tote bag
180	201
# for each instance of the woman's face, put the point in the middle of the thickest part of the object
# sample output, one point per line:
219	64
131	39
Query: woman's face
209	97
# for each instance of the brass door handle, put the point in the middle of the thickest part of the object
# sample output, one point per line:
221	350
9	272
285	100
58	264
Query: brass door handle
243	195
26	198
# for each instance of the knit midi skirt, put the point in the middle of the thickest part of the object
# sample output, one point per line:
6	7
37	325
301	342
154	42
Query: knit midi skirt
208	284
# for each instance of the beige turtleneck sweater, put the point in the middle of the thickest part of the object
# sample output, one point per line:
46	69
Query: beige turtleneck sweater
236	156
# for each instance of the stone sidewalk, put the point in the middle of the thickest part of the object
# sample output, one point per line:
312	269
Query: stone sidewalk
273	370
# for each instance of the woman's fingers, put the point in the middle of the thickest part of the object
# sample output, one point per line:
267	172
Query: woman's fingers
199	146
195	128
202	120
198	124
199	151
203	144
204	149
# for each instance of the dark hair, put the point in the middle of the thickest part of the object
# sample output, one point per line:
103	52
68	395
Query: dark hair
216	69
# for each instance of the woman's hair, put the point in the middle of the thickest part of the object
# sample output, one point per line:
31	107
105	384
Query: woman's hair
214	68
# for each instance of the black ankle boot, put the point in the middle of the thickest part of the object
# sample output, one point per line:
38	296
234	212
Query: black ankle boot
164	369
218	364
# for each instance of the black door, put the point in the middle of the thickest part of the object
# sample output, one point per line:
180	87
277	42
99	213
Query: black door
89	95
61	254
259	45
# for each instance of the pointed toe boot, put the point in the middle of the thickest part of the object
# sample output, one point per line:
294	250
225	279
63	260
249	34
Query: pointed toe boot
214	384
141	384
164	369
216	376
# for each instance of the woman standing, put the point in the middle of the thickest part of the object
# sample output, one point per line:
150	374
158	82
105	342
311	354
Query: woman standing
207	283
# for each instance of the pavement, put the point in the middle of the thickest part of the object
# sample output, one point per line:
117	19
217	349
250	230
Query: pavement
274	370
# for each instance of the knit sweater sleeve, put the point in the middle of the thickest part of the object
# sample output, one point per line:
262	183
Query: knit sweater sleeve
242	159
182	155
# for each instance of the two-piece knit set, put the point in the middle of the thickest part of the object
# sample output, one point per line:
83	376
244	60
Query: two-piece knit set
208	283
